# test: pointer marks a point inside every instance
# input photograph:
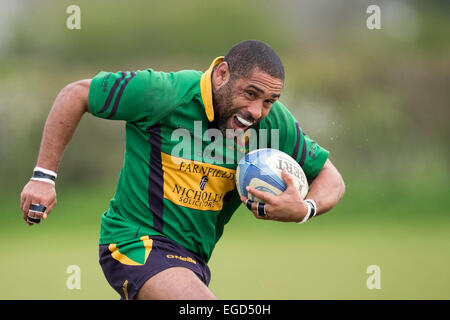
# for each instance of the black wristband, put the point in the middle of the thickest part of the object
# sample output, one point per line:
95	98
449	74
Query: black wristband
313	208
42	175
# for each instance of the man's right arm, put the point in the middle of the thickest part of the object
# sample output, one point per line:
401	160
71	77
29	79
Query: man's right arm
133	96
68	108
62	121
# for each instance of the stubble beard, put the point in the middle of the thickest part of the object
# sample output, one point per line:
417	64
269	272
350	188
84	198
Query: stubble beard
223	106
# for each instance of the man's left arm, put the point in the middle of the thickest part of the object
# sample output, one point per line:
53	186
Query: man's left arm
326	190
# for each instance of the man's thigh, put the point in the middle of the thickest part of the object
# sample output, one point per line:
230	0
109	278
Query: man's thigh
128	266
176	283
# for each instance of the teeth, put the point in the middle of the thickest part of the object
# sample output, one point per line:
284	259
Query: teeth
244	122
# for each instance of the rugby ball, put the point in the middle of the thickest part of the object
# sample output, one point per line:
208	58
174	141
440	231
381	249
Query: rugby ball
262	168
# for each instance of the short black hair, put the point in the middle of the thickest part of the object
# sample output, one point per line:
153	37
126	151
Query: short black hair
247	55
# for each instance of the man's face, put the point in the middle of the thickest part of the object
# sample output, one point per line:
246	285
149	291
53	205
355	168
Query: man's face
243	102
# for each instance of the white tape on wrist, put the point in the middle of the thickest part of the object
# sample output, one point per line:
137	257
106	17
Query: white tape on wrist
44	180
44	175
312	210
46	171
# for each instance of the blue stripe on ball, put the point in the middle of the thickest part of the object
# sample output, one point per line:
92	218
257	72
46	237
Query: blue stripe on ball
253	165
259	159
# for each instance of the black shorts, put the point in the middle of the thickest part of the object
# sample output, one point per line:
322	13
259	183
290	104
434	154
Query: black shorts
127	265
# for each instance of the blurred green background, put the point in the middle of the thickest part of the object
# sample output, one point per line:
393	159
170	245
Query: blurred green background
379	100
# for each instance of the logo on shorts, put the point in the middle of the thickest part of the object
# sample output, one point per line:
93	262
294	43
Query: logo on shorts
203	182
188	259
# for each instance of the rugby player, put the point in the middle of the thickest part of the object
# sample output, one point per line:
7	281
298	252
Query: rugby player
170	208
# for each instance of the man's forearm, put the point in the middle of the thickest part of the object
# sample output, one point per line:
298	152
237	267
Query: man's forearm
327	188
62	121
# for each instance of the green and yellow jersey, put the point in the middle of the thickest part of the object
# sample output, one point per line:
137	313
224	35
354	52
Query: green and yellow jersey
178	175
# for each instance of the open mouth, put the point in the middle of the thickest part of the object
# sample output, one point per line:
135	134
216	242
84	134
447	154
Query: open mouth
241	123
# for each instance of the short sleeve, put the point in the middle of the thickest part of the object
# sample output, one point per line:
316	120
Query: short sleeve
293	141
135	95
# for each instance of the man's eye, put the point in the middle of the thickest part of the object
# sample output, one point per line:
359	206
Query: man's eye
250	94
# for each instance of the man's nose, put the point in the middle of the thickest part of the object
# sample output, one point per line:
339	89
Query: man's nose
255	109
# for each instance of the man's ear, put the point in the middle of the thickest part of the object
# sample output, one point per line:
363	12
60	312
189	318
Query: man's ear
221	75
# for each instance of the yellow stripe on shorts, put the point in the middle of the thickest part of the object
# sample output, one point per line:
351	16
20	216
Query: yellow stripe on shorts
122	258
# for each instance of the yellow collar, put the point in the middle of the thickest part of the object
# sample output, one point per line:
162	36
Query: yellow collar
206	89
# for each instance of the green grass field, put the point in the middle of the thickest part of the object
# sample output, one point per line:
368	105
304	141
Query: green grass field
326	258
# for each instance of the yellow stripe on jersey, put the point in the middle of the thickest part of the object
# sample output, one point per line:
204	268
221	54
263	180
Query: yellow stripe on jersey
196	185
206	89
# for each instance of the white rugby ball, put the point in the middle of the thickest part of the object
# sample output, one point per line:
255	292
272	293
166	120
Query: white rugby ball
262	168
